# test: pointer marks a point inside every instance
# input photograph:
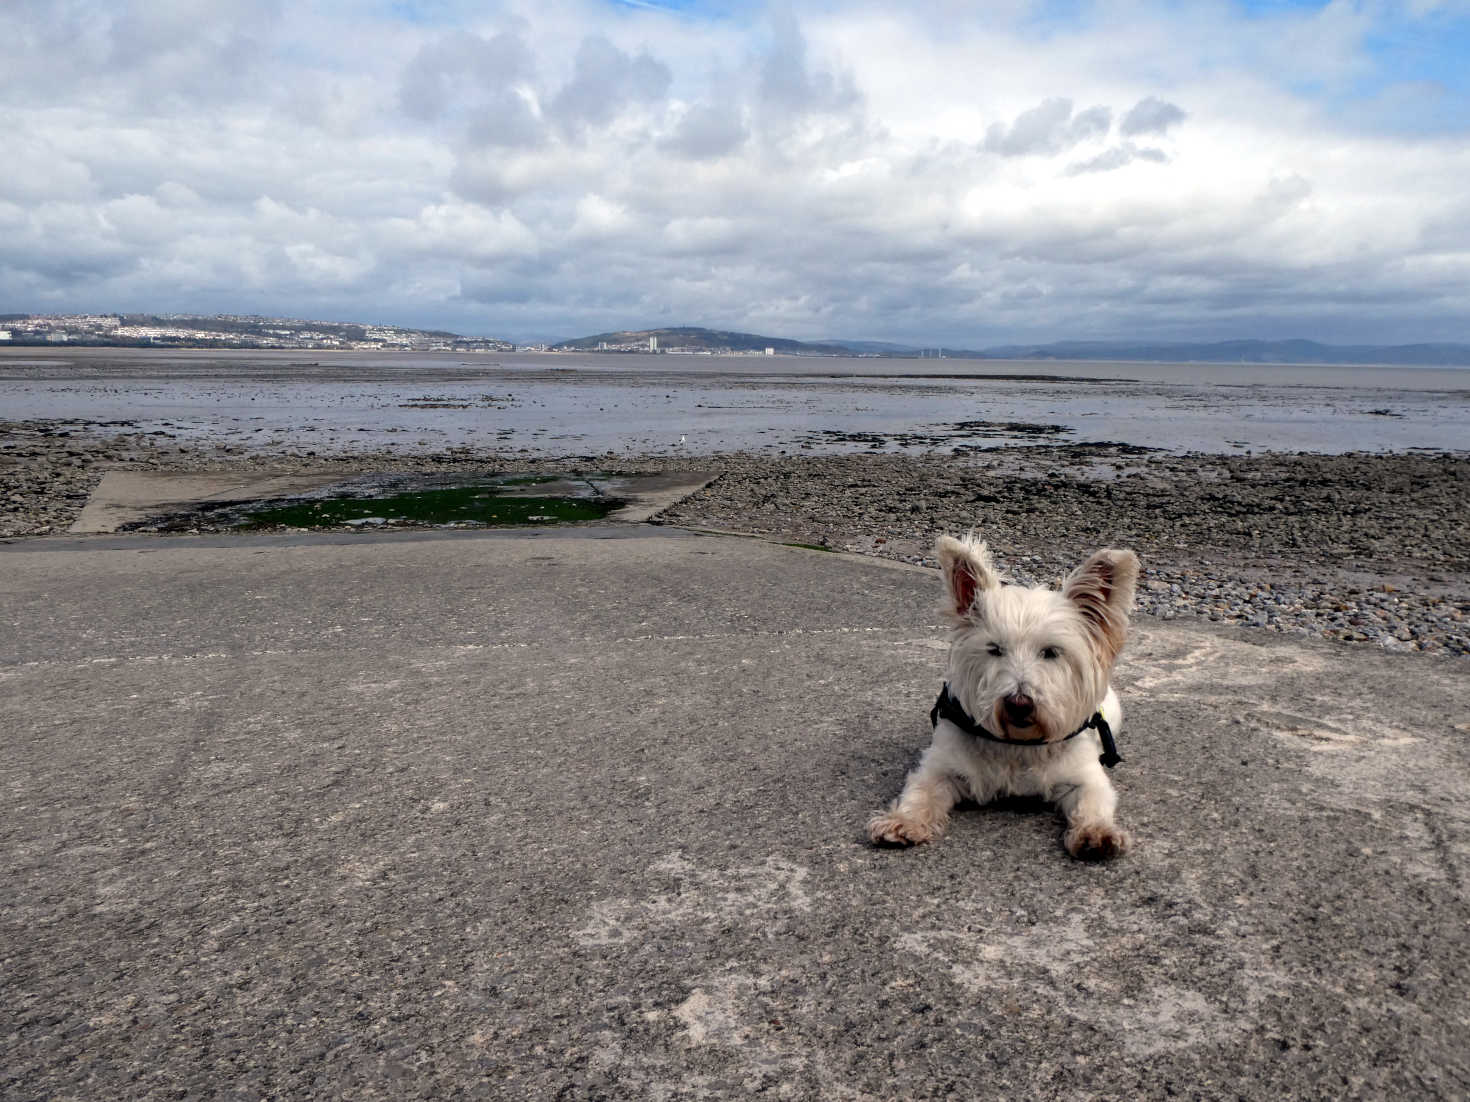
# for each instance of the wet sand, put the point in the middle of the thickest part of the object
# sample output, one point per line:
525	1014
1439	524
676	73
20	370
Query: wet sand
554	405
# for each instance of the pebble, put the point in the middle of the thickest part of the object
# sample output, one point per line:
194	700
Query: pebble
1358	548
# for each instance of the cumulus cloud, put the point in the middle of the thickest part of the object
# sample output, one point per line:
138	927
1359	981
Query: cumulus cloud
456	69
1150	116
604	81
707	130
791	85
464	231
1091	123
1117	157
550	169
37	171
1049	127
141	55
482	82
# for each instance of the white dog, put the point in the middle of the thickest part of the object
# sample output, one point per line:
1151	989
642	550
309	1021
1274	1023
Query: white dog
1027	709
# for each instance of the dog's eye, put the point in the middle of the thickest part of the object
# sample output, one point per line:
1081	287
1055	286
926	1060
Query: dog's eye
1050	653
995	650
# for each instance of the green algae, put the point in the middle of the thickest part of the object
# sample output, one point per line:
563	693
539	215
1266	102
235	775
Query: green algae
477	506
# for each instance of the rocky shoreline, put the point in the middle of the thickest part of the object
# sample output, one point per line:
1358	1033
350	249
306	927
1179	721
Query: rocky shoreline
1362	548
1359	548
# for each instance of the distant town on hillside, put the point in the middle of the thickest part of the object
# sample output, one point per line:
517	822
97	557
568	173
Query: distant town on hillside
241	331
229	331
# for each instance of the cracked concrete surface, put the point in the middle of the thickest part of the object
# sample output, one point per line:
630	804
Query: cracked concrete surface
581	816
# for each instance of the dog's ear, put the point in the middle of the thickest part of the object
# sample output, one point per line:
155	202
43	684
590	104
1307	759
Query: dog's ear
1102	588
967	570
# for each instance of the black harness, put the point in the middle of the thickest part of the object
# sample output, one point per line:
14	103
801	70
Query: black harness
947	707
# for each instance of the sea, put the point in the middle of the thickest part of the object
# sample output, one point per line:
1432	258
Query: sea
558	404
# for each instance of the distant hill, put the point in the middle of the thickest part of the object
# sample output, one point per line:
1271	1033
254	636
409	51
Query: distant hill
1246	351
879	348
696	339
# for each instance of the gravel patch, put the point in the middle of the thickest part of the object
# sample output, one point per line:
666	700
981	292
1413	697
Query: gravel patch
1367	549
1361	548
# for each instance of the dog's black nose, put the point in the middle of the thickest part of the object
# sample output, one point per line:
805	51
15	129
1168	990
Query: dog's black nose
1020	709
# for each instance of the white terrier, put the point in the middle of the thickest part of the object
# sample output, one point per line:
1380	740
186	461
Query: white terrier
1027	705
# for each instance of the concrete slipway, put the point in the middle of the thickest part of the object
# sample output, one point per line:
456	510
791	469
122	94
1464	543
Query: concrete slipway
578	815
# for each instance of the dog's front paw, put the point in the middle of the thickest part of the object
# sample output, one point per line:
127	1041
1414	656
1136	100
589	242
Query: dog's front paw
1097	841
889	828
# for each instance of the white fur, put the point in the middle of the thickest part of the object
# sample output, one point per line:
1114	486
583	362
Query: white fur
1053	649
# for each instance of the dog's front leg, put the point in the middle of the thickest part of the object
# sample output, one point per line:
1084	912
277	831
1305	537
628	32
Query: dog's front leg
1089	803
921	811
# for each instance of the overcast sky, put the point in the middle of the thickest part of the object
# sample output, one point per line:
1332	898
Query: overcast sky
946	172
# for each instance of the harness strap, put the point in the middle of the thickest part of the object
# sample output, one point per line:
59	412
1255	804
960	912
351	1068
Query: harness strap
947	707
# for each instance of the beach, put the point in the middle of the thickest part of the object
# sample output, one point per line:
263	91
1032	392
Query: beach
1363	548
511	812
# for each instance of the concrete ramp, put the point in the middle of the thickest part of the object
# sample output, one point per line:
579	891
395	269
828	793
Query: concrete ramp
124	497
554	817
649	495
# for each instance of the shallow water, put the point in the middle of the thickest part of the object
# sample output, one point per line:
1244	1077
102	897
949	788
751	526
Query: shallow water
594	404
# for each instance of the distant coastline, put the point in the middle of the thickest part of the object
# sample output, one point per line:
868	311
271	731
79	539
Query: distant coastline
244	331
